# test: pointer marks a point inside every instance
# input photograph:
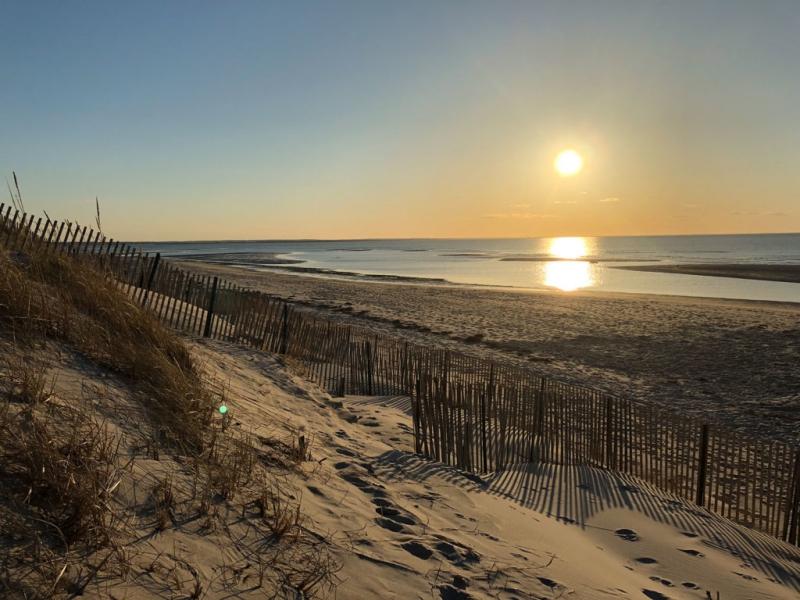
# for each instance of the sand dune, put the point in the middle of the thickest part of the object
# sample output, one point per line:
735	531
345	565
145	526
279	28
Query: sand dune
398	525
404	526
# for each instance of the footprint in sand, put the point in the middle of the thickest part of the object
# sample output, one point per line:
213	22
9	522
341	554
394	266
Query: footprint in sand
520	556
745	576
452	554
629	535
388	512
341	465
448	592
645	560
690	585
355	480
549	583
654	595
390	525
419	550
690	552
375	491
664	582
689	534
448	551
390	517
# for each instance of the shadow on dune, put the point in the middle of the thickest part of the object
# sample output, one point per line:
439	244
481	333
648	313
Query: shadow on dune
574	494
402	403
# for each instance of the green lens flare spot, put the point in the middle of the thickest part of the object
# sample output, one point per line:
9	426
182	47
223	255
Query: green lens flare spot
223	409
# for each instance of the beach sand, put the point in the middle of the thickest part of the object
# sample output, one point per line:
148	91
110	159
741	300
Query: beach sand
397	525
726	361
404	527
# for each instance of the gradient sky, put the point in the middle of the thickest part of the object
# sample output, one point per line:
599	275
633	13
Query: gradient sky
256	120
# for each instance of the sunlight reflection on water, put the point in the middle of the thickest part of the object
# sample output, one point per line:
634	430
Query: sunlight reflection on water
568	275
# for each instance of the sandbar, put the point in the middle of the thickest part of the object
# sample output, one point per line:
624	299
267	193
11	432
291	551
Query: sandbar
762	272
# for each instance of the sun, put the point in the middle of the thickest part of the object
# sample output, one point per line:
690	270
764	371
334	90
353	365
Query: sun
568	163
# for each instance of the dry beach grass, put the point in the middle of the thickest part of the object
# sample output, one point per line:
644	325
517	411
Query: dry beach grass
108	433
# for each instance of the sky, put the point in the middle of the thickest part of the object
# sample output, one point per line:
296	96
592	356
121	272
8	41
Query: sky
413	119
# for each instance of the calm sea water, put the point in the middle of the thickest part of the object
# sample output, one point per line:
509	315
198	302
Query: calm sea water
562	263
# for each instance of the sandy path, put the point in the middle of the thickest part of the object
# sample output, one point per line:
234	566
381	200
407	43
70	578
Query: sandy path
736	362
407	527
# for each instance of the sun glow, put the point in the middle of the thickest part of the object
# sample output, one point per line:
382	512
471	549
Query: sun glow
568	247
568	163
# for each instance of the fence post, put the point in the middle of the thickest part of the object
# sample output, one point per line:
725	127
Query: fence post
415	416
610	433
20	233
421	429
70	246
11	226
537	440
150	278
210	312
6	222
791	527
35	232
43	239
701	472
484	398
54	247
368	350
284	329
404	378
446	370
25	233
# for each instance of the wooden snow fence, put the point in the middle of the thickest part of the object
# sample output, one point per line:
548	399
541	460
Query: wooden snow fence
476	414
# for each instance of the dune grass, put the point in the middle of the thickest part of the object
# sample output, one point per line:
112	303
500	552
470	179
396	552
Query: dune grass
61	460
62	298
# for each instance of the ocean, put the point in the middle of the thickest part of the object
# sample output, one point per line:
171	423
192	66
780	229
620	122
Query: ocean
568	264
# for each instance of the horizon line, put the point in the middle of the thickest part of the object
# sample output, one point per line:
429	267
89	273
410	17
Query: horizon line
411	239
